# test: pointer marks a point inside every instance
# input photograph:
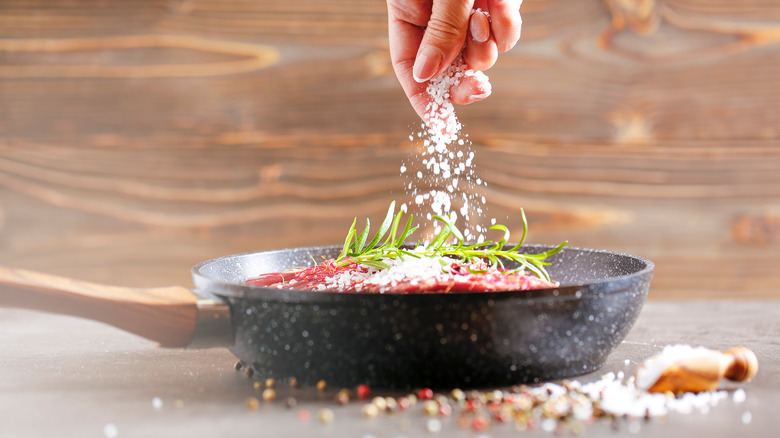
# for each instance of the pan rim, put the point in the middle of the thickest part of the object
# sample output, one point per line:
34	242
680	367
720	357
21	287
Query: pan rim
228	289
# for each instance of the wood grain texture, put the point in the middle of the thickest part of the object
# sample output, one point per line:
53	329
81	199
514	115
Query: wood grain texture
140	137
165	315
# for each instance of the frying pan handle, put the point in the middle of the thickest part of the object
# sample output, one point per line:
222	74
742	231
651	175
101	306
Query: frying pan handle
168	315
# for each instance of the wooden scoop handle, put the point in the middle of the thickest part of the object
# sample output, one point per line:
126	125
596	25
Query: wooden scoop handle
744	364
165	315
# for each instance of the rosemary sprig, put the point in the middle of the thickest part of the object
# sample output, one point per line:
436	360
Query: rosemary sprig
448	242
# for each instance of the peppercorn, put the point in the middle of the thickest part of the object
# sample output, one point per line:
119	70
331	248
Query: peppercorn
249	372
430	408
252	403
403	403
239	365
369	410
458	395
293	383
342	397
303	415
425	394
270	383
290	402
363	392
390	404
380	403
258	385
479	423
322	385
269	395
445	410
326	416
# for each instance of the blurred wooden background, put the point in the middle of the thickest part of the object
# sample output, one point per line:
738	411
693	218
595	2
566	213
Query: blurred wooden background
140	137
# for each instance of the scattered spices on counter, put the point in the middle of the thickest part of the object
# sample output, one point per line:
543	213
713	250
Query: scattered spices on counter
561	407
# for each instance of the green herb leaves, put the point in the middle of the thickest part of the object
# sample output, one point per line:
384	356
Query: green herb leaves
449	242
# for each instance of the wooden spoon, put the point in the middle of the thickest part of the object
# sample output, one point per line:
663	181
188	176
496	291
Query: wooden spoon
704	373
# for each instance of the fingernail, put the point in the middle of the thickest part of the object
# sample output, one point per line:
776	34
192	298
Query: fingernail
479	27
427	64
477	97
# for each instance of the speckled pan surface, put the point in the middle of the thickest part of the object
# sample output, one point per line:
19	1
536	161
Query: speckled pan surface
430	340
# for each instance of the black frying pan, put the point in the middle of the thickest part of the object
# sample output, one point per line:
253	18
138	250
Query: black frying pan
384	340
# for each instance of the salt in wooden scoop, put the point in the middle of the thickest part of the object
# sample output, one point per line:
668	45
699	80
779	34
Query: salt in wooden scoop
682	368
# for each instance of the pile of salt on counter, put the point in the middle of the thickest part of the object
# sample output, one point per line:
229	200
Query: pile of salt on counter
441	177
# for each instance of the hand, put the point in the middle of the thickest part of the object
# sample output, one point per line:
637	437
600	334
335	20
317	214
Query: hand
427	35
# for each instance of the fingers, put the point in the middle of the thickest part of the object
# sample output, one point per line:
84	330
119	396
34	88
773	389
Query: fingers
505	22
470	89
405	38
479	27
443	38
481	51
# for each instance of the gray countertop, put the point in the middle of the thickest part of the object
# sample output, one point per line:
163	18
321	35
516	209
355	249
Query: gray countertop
62	376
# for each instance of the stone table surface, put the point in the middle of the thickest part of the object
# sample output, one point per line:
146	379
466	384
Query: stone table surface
61	376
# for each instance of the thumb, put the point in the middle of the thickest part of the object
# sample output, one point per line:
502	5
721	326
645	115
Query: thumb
443	38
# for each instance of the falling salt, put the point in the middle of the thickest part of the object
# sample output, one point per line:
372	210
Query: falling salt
443	167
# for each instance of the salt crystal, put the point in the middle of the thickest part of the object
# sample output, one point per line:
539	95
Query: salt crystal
157	403
433	425
110	430
747	417
739	395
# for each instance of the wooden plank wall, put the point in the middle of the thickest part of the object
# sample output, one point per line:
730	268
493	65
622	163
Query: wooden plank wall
140	137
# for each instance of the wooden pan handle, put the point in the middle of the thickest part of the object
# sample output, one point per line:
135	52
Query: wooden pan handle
165	315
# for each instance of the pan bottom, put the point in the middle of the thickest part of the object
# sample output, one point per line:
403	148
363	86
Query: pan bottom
423	341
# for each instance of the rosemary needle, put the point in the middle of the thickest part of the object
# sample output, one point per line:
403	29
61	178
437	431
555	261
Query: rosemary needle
387	243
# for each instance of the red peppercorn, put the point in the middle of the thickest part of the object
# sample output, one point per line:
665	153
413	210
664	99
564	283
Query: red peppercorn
304	415
479	423
403	403
425	394
473	405
363	392
445	410
502	416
